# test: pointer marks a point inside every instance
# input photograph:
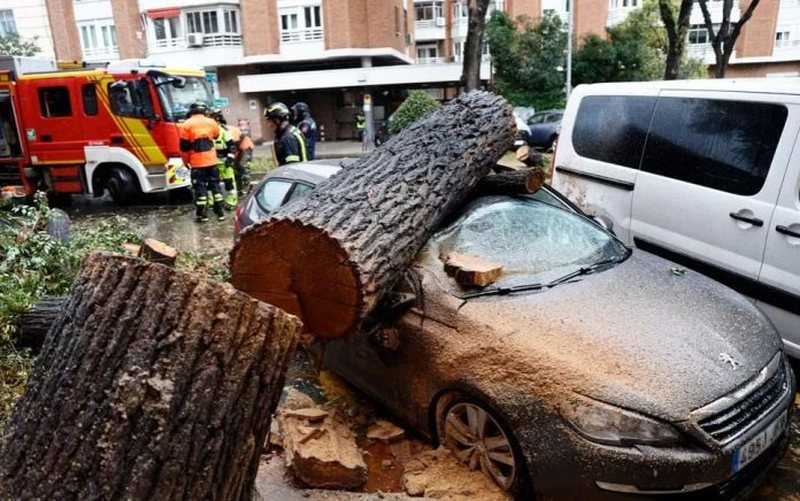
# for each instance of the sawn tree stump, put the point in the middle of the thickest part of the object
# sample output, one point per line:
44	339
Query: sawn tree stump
153	384
329	257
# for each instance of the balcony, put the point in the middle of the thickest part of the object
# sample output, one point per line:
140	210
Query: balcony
302	35
219	49
100	54
429	29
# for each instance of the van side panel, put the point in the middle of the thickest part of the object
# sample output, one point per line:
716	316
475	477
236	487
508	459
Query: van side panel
781	268
694	194
597	158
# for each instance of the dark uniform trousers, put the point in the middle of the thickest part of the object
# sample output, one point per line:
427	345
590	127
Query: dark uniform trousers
205	179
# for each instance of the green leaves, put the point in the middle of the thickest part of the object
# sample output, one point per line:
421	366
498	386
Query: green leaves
528	59
418	104
15	45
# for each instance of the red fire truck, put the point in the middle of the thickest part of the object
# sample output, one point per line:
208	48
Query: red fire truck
87	131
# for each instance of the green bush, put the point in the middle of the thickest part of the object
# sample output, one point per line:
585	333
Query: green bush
33	265
417	105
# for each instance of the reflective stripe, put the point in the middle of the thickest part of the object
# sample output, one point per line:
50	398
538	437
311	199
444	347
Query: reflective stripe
301	140
292	158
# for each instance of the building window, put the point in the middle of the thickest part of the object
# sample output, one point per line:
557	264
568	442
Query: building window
221	27
98	38
7	24
698	34
231	21
782	39
301	24
624	4
54	102
427	53
428	11
167	31
460	11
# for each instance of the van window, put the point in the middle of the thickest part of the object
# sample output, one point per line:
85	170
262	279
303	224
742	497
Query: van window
54	102
613	128
724	145
89	99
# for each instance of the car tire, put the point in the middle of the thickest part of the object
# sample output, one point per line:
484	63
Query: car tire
493	449
122	186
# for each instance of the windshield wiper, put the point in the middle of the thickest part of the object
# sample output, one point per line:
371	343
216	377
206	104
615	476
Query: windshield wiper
583	270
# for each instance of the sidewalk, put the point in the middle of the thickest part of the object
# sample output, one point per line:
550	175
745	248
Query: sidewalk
325	149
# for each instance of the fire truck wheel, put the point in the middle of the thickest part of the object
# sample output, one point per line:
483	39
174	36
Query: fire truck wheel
122	186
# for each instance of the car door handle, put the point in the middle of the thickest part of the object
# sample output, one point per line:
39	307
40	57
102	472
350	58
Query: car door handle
784	230
747	219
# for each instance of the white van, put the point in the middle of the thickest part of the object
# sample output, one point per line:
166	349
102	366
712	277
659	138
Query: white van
703	172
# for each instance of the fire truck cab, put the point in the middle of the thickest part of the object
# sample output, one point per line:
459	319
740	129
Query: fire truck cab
91	130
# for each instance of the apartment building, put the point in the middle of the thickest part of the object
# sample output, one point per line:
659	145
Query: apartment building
30	20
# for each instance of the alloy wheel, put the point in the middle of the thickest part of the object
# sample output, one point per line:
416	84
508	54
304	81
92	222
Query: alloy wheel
480	442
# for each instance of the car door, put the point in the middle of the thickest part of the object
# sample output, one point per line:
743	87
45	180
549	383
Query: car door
780	274
709	180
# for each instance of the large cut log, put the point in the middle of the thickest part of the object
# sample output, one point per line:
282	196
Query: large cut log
515	182
152	384
329	257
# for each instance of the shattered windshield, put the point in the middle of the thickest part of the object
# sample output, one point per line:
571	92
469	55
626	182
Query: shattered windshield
528	237
176	100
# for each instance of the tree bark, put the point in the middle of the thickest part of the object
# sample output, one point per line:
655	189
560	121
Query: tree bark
473	46
515	182
152	384
331	256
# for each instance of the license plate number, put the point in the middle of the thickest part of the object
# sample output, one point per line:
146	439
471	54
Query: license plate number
758	444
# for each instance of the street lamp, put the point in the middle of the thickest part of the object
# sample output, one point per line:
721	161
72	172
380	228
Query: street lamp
569	47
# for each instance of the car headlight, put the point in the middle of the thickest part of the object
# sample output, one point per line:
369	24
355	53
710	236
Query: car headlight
612	425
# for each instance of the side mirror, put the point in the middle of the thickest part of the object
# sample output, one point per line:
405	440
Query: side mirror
604	222
179	82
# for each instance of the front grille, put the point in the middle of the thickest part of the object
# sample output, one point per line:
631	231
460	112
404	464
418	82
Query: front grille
732	421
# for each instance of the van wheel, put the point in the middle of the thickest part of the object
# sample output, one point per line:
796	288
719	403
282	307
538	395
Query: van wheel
122	186
478	439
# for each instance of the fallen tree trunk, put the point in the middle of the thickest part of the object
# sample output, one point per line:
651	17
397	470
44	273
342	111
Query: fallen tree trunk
152	384
331	256
515	182
36	322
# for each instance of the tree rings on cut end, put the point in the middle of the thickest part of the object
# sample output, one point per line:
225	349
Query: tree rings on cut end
301	270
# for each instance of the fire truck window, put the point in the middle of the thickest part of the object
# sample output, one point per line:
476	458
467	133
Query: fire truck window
54	102
89	99
131	98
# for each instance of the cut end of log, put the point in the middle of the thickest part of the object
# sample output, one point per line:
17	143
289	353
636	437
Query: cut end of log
471	271
158	252
302	271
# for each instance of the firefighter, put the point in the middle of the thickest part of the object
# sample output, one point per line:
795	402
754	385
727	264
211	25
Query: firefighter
197	136
301	114
226	154
290	145
244	155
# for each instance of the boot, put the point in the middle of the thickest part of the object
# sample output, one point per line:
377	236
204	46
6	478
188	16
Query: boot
219	210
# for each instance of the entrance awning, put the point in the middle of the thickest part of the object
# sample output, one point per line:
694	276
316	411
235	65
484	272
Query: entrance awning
165	12
377	76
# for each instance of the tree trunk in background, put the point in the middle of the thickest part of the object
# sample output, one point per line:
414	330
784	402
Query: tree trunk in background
329	257
152	385
473	46
677	32
724	39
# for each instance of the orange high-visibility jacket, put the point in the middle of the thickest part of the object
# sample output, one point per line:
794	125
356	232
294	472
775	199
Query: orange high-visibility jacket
197	141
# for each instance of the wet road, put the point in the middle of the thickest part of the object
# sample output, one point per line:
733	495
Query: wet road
173	223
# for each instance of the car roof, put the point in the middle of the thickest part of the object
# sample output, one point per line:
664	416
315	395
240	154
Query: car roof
760	85
311	172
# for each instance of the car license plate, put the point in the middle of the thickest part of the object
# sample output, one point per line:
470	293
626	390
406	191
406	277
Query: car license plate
758	444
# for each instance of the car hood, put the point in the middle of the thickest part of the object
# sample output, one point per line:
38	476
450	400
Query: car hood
645	335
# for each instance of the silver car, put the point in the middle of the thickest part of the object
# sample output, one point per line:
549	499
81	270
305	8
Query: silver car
587	370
